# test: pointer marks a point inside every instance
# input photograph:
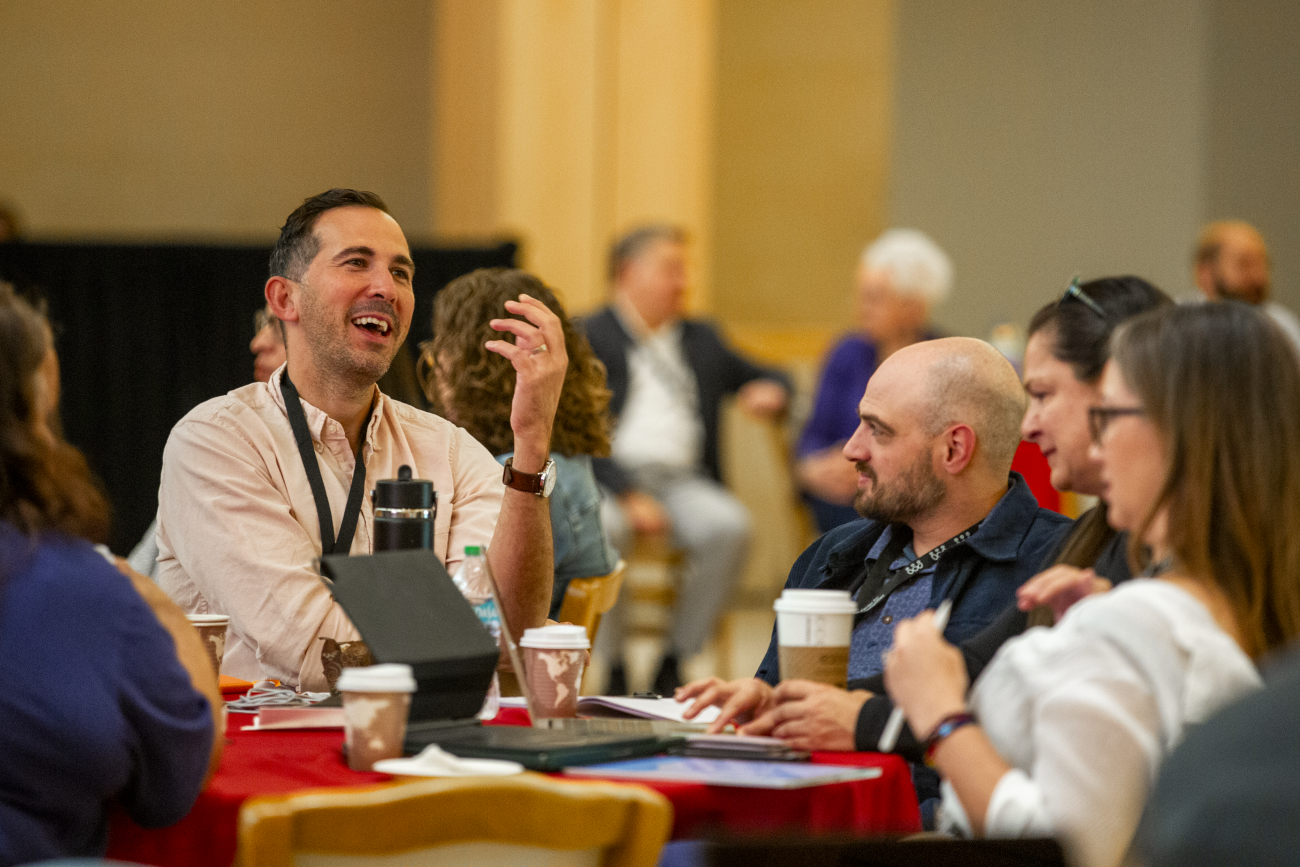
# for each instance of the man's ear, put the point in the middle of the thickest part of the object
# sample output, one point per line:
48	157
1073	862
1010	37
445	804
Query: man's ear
957	445
282	298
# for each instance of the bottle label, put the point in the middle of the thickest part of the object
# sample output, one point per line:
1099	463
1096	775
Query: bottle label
490	617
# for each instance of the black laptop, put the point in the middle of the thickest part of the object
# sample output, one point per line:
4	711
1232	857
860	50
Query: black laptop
408	610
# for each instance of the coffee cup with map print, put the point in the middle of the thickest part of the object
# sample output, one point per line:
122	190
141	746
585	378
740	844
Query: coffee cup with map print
212	629
814	629
554	657
376	700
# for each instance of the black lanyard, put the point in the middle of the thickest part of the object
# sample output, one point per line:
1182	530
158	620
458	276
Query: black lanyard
882	580
352	511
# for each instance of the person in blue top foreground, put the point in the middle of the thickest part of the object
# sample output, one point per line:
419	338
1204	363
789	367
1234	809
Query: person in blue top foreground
108	693
940	422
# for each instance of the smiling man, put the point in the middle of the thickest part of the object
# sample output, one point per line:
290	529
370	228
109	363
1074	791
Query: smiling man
239	521
939	424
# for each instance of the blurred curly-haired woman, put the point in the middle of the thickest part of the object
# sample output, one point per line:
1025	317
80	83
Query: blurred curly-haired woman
473	387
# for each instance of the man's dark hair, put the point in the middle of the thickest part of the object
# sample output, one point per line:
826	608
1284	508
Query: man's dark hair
297	244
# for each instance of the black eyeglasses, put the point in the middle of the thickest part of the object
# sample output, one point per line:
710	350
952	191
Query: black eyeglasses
1100	417
1073	291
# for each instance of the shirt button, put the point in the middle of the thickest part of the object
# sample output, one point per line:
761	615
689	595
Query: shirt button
887	619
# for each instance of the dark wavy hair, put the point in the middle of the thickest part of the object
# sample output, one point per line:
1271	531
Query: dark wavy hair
1221	385
480	384
45	484
298	244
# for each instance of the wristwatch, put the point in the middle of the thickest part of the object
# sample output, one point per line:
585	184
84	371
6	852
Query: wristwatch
540	484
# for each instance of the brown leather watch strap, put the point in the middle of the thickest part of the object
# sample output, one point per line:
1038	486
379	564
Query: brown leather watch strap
529	483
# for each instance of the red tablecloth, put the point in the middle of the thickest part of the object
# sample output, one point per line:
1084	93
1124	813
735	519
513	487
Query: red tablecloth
268	763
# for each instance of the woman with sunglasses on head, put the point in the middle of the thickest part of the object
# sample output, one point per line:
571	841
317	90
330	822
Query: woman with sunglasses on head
108	693
1196	431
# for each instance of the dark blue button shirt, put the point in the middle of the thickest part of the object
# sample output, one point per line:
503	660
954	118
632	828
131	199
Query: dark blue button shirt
874	633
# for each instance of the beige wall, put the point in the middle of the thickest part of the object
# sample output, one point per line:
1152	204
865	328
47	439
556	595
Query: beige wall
158	119
804	124
1036	140
1253	159
602	119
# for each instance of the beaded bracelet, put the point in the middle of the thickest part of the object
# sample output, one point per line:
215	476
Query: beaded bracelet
946	727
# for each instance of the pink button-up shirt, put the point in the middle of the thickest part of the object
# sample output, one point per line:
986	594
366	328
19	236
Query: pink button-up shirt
238	529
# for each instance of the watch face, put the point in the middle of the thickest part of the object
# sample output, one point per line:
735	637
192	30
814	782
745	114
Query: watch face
549	473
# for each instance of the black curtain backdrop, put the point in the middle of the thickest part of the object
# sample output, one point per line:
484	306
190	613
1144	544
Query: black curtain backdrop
146	332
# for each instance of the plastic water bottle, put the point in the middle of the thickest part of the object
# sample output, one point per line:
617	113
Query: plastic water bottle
474	584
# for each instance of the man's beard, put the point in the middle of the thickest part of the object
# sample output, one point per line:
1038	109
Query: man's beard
335	352
917	491
1251	293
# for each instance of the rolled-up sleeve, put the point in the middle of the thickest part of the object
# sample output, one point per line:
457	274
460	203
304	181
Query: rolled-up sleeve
230	536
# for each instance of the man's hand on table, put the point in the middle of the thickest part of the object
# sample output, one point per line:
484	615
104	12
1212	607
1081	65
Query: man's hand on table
811	716
740	700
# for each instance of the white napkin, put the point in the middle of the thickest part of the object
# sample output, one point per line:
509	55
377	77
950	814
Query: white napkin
433	761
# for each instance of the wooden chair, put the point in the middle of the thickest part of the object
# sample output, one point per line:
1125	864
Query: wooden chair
586	600
528	819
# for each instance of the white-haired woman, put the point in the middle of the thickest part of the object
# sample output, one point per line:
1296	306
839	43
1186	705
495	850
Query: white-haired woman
901	276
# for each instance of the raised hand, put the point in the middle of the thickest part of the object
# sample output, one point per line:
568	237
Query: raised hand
540	360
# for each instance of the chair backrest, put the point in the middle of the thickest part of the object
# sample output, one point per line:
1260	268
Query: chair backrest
586	600
526	819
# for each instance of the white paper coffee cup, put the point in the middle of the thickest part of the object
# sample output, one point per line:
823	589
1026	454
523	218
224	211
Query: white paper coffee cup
814	629
556	636
212	629
554	659
376	701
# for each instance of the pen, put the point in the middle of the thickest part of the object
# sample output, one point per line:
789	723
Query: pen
894	726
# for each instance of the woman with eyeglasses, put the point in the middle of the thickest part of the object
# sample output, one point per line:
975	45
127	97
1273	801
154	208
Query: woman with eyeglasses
1195	431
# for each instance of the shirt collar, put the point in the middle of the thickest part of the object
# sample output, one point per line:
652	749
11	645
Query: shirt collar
998	538
316	418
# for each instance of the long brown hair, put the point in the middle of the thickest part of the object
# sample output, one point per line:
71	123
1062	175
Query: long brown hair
45	484
1221	384
480	384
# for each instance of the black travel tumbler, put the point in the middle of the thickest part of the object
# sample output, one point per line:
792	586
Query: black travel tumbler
405	509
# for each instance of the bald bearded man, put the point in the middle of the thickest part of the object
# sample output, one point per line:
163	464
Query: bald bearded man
940	422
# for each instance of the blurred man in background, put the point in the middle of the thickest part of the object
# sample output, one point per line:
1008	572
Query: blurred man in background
668	375
1231	264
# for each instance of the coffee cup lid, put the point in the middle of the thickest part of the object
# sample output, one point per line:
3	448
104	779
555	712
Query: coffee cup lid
815	602
208	619
388	677
557	637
